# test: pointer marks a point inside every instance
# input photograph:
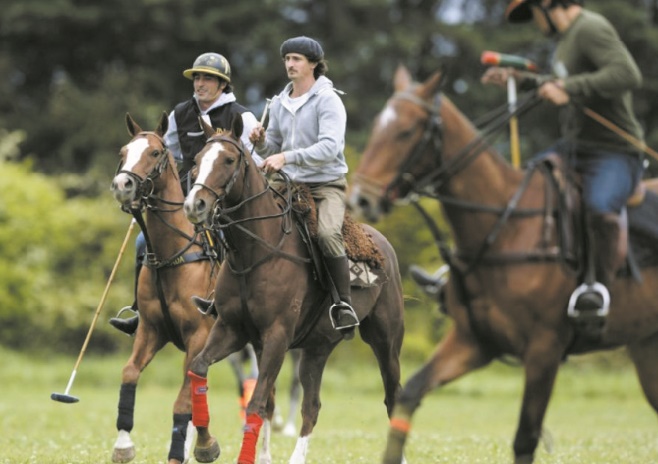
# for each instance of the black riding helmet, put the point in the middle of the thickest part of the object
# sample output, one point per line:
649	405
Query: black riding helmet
520	11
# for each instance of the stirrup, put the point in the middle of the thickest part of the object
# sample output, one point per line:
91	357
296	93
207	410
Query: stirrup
432	284
596	287
205	307
346	309
124	309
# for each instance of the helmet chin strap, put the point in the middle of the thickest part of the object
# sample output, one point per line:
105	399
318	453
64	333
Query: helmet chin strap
549	21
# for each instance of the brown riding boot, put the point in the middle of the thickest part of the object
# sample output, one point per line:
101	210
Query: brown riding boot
610	248
342	314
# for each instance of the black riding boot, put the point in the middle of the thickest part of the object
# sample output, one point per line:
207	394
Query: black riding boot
129	326
605	230
342	314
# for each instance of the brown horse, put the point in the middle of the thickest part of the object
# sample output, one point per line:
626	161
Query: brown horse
271	297
508	291
176	269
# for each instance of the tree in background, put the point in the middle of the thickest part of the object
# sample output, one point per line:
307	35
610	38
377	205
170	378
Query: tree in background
73	68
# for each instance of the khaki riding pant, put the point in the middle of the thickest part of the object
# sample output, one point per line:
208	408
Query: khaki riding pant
330	200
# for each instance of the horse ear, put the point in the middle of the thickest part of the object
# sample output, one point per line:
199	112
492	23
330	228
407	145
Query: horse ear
163	124
402	78
207	128
133	127
237	125
433	84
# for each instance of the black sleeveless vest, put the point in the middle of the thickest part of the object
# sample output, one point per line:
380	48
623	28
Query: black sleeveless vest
190	133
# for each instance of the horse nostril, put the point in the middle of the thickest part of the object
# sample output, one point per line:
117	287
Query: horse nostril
200	205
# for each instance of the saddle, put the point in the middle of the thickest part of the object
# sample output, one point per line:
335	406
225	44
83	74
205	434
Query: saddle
362	252
641	214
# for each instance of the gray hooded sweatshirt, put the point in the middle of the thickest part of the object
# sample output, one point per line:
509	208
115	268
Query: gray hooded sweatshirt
311	136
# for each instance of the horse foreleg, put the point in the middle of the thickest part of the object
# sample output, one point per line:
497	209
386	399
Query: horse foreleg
145	346
221	342
457	355
270	361
183	431
541	366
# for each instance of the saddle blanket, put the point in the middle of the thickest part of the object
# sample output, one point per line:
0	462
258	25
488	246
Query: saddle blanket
362	276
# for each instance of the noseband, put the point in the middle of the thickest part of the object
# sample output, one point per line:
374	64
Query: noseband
234	177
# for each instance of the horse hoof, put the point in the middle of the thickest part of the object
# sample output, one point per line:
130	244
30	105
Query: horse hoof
208	453
289	430
123	454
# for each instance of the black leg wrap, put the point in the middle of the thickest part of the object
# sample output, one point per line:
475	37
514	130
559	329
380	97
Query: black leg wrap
178	436
126	407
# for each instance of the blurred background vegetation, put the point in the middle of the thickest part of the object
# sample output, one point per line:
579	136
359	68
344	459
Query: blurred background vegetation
73	68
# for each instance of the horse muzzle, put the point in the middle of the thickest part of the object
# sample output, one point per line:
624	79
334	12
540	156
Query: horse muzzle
196	209
124	189
367	204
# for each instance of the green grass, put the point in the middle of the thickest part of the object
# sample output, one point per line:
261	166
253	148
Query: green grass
597	415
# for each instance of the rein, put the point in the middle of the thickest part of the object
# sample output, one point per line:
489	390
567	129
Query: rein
222	221
149	201
430	183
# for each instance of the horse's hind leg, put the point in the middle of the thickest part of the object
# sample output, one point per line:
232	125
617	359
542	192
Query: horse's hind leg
457	355
288	427
311	368
385	340
145	346
644	354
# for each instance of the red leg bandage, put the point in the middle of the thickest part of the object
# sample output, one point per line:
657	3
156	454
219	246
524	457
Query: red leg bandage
199	389
250	438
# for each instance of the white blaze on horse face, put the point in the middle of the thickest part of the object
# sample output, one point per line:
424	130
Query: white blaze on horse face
387	117
134	153
208	161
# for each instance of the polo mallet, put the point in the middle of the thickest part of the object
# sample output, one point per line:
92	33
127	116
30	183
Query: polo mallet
267	107
65	397
510	61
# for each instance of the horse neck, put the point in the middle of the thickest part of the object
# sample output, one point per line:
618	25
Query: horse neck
253	206
486	180
166	222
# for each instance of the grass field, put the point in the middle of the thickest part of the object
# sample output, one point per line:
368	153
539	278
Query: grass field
597	415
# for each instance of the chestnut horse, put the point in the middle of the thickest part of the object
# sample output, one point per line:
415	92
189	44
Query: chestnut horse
177	268
508	290
270	297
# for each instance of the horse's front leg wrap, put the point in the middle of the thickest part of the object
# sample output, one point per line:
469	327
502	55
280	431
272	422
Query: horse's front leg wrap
398	431
126	407
199	389
250	438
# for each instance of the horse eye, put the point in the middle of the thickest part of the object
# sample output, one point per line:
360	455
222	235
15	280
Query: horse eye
155	153
230	161
406	134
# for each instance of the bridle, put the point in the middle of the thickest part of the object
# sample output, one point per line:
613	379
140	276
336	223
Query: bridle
220	218
146	185
432	138
219	209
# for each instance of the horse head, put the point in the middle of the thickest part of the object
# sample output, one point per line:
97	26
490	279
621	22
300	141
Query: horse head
143	159
217	172
401	150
